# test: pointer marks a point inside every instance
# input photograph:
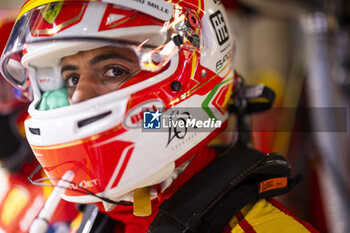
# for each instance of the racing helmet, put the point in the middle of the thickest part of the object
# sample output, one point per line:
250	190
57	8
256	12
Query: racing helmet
151	57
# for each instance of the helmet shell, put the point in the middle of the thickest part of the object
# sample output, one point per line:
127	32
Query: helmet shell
102	140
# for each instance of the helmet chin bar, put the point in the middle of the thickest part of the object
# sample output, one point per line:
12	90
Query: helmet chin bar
39	182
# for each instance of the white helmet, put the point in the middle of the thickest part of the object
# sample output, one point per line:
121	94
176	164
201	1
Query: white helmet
180	54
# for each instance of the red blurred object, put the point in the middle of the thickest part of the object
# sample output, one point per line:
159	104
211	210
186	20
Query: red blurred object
230	4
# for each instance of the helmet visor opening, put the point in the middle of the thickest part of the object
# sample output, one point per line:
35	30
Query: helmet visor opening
45	36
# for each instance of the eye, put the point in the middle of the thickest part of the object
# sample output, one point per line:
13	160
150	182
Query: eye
116	72
72	80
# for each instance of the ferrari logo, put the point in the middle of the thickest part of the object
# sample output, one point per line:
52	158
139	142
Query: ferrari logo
50	12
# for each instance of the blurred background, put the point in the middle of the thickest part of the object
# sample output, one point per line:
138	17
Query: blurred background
12	4
300	49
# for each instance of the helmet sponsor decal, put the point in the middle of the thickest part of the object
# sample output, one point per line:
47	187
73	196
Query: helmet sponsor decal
51	13
177	120
156	8
85	184
222	62
218	23
56	17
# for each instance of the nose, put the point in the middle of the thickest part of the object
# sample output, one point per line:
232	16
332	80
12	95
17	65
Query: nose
86	88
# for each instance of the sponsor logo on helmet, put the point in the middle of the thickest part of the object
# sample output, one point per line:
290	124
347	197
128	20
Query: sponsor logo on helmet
56	17
85	184
218	23
51	12
157	8
223	61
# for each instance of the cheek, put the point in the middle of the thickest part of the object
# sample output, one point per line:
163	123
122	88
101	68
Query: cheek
112	87
70	92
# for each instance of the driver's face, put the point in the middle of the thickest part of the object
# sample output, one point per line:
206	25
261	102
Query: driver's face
95	72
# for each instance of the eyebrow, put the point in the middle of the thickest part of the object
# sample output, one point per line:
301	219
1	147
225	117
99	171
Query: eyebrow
69	67
96	60
107	56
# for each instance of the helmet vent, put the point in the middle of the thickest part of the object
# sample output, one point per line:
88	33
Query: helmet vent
35	131
90	120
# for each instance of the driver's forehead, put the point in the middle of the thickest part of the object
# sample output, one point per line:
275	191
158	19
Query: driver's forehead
87	56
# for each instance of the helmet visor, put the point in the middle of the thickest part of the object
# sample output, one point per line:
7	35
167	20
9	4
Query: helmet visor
46	36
